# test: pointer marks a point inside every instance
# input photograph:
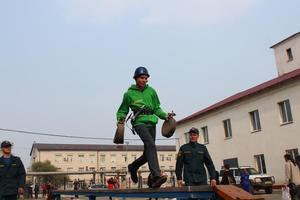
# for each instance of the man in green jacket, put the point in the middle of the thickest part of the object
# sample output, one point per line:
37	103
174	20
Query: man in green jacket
142	99
12	174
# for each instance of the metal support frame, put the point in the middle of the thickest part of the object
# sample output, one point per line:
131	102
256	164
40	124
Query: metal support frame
203	192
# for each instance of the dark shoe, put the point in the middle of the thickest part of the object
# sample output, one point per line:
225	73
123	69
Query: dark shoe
150	180
158	181
133	173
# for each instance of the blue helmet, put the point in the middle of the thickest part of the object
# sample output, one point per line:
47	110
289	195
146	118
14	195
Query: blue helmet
140	71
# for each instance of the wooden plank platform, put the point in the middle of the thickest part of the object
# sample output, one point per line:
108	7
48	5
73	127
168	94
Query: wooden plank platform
231	192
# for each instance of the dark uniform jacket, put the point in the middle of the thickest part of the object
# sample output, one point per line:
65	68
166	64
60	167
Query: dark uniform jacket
192	157
227	178
11	176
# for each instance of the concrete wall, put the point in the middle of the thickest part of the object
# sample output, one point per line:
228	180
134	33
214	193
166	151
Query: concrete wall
272	141
282	62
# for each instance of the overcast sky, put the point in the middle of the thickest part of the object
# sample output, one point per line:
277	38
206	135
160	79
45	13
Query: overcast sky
65	64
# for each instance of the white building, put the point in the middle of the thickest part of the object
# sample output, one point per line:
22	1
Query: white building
255	127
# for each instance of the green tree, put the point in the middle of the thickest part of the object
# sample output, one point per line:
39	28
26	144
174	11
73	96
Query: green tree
46	166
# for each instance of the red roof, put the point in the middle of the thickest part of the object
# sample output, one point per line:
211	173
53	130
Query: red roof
241	95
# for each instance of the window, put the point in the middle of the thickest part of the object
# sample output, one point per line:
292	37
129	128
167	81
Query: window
169	157
113	168
187	137
69	158
92	169
124	158
255	121
102	168
113	158
81	158
58	158
133	157
293	152
227	128
260	163
285	112
92	158
171	167
232	162
81	169
162	157
69	169
289	54
144	168
205	134
102	158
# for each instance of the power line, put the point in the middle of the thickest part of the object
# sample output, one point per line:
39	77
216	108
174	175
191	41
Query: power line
67	136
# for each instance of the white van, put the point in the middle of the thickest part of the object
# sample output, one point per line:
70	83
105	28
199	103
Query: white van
258	181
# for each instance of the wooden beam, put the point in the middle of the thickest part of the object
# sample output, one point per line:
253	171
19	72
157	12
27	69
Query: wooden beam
231	192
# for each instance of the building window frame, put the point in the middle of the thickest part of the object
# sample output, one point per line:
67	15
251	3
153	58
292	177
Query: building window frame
205	134
232	162
293	152
285	110
255	121
227	128
58	158
113	158
260	163
187	137
289	54
81	169
162	157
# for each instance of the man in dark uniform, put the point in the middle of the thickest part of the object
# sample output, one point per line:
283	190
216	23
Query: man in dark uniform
12	174
192	157
143	101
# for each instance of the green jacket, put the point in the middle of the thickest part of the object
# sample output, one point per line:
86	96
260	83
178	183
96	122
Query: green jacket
135	99
11	176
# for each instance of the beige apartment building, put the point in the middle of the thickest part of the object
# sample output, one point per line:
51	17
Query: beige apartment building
104	158
255	127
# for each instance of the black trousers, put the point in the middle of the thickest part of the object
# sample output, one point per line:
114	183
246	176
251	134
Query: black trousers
9	197
147	135
297	196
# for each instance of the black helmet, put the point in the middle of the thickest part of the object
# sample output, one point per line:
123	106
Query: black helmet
140	71
194	130
5	144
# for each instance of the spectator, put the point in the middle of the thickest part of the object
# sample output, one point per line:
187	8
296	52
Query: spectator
12	174
44	189
292	176
191	158
227	178
76	186
110	183
36	190
245	182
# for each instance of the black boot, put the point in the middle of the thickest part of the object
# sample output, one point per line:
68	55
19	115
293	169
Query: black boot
158	181
133	173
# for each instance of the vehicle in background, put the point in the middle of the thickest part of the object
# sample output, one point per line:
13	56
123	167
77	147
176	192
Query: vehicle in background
258	181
